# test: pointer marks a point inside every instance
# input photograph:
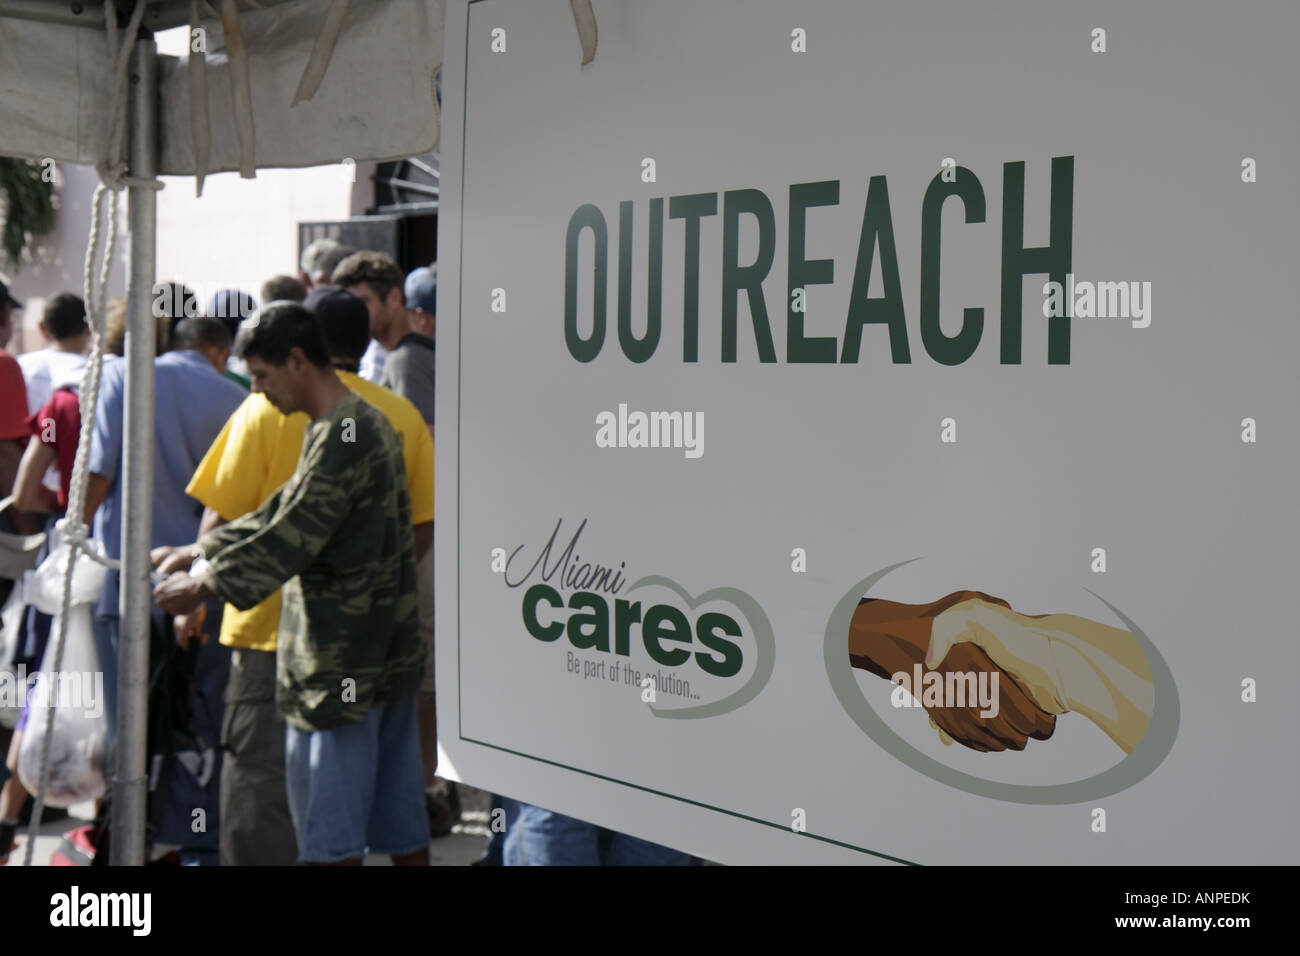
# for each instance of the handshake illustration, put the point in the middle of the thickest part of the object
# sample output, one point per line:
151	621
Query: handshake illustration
1035	667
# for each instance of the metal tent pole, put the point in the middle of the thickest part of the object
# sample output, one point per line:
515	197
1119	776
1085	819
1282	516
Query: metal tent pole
129	791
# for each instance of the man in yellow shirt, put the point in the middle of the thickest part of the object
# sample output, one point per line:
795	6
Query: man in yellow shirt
254	455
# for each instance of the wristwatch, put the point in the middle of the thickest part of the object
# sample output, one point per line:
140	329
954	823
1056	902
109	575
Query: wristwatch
199	566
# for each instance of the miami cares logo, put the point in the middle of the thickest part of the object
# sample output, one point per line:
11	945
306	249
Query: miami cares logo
701	654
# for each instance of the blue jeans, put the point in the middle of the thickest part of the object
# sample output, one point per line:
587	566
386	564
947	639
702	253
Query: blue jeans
537	837
358	787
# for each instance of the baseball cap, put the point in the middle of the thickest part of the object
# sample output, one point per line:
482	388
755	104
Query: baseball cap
344	319
422	290
312	255
5	296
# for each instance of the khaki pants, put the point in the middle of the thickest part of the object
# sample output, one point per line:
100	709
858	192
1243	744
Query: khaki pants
256	829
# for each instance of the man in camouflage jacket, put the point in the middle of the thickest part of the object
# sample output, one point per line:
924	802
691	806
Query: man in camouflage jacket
338	537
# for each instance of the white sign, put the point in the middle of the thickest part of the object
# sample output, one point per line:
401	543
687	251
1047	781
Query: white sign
869	433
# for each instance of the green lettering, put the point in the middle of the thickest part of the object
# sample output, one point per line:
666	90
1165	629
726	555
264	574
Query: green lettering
534	596
877	229
663	622
639	350
1053	259
625	615
803	272
585	216
738	202
692	208
710	628
595	613
958	348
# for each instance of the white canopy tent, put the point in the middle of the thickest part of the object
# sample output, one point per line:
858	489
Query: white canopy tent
268	83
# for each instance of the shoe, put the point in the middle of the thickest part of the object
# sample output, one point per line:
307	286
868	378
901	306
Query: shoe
77	848
443	804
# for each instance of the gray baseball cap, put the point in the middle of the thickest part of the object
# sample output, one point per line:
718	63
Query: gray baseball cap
312	255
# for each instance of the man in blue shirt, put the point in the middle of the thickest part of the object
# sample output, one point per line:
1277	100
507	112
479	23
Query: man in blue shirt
192	400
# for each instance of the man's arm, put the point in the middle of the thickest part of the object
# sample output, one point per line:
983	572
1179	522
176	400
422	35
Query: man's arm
251	557
170	558
30	493
11	453
423	539
210	521
96	491
105	441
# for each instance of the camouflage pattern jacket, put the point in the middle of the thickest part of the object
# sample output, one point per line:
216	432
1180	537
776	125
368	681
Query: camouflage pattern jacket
338	537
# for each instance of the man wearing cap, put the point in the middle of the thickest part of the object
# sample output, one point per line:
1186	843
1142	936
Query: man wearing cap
253	456
319	260
410	369
231	307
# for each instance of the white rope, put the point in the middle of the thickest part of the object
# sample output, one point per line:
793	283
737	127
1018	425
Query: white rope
111	167
71	528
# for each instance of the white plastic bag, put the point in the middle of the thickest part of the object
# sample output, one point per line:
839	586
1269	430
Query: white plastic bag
44	586
79	728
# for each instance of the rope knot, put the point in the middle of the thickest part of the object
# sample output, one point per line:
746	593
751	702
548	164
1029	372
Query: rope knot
73	532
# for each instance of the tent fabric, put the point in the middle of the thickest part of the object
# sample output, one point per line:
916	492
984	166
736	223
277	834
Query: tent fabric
375	102
54	91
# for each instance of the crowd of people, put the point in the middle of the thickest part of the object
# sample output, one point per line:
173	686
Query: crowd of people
291	690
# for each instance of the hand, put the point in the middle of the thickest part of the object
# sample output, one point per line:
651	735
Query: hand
1063	661
190	626
887	638
1021	651
180	594
170	558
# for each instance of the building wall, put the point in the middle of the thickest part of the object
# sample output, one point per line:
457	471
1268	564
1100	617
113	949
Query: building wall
243	231
59	262
238	234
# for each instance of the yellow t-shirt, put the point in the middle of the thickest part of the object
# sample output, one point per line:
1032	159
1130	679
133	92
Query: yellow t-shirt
257	451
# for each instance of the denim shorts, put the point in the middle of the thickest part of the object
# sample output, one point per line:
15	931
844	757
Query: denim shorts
359	787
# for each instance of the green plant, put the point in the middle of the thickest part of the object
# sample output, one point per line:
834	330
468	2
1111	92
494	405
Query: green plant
26	205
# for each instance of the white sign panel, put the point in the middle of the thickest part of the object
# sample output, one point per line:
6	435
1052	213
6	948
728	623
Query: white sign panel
868	432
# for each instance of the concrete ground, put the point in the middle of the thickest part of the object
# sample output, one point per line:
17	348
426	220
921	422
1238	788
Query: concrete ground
461	847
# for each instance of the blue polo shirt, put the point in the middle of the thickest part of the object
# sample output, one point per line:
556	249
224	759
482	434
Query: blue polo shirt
192	401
